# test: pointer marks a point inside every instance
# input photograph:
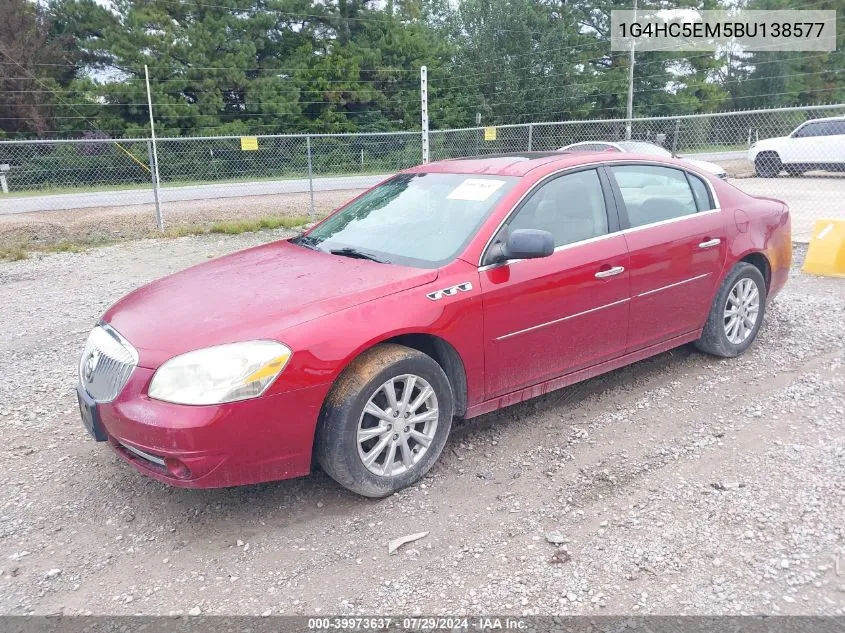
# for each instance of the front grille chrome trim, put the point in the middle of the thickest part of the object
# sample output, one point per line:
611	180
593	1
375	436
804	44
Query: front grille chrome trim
106	363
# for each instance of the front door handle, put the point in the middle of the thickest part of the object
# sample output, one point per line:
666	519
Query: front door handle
610	272
710	243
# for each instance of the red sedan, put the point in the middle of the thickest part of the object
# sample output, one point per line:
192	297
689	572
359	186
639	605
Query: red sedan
450	290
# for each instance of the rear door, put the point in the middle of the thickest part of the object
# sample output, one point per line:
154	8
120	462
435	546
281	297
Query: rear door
835	142
676	239
550	316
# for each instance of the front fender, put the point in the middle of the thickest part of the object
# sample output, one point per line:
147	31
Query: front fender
324	347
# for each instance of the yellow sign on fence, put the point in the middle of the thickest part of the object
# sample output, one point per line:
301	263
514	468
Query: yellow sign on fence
489	134
249	143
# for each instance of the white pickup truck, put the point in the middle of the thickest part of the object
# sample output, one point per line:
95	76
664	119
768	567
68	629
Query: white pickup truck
818	144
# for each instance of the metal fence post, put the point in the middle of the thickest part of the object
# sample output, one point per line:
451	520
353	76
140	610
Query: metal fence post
153	152
675	137
530	136
424	111
154	178
310	176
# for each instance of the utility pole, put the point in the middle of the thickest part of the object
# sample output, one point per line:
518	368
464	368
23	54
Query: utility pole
629	111
154	153
424	111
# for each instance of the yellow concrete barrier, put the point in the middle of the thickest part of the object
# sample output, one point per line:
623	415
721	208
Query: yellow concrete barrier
826	253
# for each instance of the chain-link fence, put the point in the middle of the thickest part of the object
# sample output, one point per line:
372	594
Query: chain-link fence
789	153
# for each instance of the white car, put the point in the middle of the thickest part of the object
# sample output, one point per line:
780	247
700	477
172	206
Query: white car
816	144
643	147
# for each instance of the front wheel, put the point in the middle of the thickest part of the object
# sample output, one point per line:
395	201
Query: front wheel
736	314
385	421
767	164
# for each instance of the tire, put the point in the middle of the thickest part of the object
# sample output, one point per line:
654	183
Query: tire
767	164
365	384
715	338
794	171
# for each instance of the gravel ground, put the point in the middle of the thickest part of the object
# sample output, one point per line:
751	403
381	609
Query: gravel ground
680	485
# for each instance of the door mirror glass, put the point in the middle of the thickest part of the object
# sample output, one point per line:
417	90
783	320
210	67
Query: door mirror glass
524	244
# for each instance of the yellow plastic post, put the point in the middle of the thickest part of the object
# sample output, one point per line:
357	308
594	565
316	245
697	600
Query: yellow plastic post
826	253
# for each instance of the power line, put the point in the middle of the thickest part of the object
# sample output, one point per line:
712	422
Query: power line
463	84
619	108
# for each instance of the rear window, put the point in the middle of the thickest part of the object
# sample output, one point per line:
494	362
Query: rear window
701	193
654	194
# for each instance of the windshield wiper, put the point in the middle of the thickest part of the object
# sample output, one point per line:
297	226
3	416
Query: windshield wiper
305	241
356	254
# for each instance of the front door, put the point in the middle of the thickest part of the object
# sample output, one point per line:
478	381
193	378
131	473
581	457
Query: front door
550	316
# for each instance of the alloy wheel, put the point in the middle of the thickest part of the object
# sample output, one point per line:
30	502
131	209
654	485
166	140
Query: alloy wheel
742	310
397	425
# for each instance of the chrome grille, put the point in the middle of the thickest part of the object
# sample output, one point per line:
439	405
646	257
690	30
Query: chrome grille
106	364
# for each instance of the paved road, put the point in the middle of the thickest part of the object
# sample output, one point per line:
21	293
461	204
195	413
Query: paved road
172	194
809	198
717	156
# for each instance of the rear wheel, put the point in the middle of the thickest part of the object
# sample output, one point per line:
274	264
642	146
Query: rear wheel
736	314
385	421
767	164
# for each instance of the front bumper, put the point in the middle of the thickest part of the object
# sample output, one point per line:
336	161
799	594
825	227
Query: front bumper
213	446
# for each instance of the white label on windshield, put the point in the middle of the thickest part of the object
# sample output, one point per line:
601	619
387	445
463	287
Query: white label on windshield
475	189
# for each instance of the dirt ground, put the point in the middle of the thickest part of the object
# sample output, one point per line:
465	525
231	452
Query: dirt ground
683	484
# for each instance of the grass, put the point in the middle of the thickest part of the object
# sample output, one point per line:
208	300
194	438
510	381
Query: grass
233	227
708	149
236	227
13	253
22	251
147	186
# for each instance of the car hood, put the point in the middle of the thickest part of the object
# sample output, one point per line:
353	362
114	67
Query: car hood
251	294
769	143
707	166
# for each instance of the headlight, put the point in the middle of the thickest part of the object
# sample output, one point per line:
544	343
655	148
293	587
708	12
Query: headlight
224	373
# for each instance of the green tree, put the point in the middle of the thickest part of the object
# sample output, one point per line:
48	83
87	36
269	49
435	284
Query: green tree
33	64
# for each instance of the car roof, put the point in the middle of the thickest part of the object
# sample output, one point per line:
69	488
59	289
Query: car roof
516	164
827	118
599	142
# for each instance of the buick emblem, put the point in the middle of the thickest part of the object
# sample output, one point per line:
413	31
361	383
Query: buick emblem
90	366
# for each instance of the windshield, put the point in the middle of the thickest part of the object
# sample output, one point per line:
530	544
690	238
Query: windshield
641	147
422	220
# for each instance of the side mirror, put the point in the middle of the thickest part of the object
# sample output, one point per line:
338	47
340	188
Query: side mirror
524	244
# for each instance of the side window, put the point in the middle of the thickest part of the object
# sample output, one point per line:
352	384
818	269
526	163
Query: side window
570	207
654	194
834	128
595	147
811	129
701	193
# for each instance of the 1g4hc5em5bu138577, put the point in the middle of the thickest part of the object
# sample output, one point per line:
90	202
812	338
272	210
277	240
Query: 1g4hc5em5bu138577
449	290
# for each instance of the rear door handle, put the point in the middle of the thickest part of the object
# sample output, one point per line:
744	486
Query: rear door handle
610	272
710	243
